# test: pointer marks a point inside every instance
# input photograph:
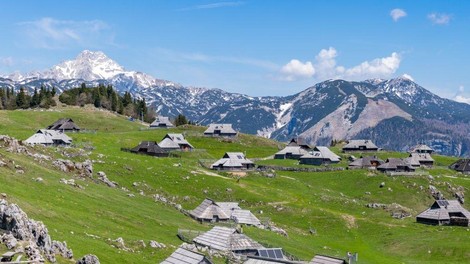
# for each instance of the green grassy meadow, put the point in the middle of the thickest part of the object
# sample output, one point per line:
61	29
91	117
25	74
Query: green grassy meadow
331	203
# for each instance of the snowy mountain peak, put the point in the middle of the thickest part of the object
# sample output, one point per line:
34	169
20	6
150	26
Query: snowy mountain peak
88	65
94	67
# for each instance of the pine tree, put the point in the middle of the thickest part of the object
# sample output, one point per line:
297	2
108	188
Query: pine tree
35	99
96	97
120	107
181	120
114	101
21	99
127	99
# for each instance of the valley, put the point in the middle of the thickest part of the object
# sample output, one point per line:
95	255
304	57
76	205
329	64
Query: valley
333	204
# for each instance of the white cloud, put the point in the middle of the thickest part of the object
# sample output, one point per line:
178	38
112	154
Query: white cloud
397	13
439	19
460	97
296	69
51	33
325	67
407	76
377	68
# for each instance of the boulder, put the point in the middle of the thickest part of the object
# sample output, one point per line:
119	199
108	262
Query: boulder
102	177
60	248
88	259
155	244
9	240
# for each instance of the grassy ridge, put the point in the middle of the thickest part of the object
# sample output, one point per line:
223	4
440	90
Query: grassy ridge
331	203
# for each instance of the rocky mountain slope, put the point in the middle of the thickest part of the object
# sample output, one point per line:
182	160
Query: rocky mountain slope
396	113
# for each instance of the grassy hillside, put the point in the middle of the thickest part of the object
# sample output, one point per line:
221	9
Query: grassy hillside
330	203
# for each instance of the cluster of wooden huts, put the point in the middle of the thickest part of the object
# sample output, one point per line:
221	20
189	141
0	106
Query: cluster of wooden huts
299	150
54	135
233	241
419	156
170	142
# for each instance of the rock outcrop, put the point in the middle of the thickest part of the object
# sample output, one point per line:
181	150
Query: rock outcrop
83	168
18	226
102	177
89	259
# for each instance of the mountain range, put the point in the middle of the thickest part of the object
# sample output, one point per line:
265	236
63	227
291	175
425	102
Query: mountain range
396	113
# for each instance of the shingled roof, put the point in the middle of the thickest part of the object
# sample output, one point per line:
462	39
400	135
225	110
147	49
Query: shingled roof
226	239
394	164
161	122
417	159
49	137
462	165
292	150
174	140
300	142
233	160
366	162
360	145
421	148
184	256
320	259
64	124
149	148
208	209
223	211
220	129
442	210
245	217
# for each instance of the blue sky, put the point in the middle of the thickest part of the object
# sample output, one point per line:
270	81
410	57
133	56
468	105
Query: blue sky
252	47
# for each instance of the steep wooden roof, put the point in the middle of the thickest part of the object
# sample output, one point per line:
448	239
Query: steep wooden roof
462	165
149	147
223	128
48	137
232	160
440	210
64	124
161	121
365	162
320	259
226	239
184	256
357	143
208	209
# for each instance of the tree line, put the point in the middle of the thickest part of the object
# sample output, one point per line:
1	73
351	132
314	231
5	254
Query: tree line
11	100
101	97
106	97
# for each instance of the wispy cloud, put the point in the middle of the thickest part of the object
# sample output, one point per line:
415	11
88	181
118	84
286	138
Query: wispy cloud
6	61
460	97
439	19
213	5
397	13
51	33
200	57
324	67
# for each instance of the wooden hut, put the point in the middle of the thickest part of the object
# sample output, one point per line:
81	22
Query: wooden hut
445	212
185	256
150	148
220	130
64	125
360	145
234	161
